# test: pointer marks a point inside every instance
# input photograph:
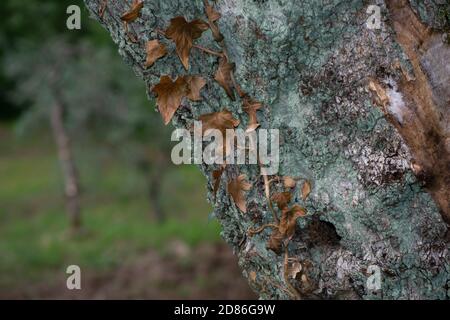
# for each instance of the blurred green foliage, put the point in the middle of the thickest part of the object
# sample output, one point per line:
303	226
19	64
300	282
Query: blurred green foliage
28	24
117	137
34	239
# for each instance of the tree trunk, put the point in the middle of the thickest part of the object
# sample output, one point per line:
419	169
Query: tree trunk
363	115
153	167
71	184
154	196
155	176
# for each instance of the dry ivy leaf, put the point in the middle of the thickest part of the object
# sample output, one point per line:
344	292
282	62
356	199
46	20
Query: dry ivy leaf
184	33
169	93
221	120
195	84
289	182
250	106
282	199
134	11
306	190
213	16
223	76
155	50
169	96
289	220
252	275
275	241
236	188
216	175
288	223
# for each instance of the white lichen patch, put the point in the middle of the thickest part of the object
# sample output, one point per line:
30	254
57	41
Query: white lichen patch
379	166
270	15
396	106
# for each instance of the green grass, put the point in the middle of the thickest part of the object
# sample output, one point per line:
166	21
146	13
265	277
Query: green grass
117	221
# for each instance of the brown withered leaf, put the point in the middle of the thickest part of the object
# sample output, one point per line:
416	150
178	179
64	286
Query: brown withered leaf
169	96
289	182
250	106
134	12
306	190
154	50
287	225
195	84
216	175
282	199
213	16
221	120
183	34
286	228
223	76
252	275
289	220
236	189
170	93
275	241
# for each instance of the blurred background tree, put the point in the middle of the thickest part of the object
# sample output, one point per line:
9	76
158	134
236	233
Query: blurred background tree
25	30
49	72
27	24
56	82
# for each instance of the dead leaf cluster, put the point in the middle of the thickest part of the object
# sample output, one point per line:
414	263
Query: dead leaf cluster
170	93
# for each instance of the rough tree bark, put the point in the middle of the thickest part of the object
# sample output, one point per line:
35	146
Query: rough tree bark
363	114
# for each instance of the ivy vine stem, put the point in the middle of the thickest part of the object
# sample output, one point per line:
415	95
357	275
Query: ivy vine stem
215	53
196	46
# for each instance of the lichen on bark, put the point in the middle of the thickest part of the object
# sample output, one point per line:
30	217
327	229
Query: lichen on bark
310	63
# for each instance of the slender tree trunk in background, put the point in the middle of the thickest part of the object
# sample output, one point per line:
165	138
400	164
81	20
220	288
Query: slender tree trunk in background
153	169
69	171
363	114
156	174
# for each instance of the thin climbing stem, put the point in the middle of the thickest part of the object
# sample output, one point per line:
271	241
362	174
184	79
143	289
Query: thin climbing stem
215	53
252	232
160	32
267	192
